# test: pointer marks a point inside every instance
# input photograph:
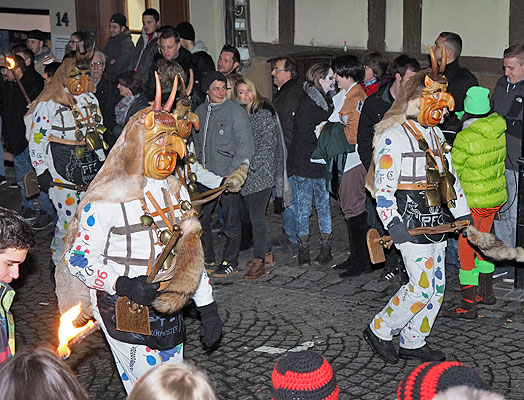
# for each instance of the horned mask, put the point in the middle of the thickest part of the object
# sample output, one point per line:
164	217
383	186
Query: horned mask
435	100
165	132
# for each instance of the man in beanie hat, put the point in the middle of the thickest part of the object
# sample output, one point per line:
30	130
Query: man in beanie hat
304	375
119	47
200	59
36	43
223	146
478	155
449	380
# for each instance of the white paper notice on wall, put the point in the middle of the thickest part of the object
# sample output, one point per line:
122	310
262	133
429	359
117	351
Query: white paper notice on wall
59	43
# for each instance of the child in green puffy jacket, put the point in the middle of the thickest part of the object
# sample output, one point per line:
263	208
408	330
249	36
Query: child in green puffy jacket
478	155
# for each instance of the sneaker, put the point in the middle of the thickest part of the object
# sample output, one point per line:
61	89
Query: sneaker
44	221
225	269
3	180
424	353
13	185
28	214
210	267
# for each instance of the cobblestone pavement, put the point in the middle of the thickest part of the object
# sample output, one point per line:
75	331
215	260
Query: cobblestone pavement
289	308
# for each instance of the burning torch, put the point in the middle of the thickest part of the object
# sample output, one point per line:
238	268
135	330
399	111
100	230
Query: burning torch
69	335
11	66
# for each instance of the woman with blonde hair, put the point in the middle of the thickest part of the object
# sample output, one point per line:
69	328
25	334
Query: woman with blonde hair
173	382
266	169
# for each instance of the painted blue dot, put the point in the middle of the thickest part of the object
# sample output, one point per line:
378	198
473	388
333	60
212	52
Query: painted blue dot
87	207
401	340
439	259
388	141
151	360
91	220
125	377
68	213
429	306
38	119
60	205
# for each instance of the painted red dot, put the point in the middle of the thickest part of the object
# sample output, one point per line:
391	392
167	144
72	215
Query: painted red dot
382	190
78	248
87	251
78	234
148	349
86	237
461	195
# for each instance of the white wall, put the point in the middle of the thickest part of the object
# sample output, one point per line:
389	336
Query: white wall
329	23
482	24
207	17
394	25
264	21
54	6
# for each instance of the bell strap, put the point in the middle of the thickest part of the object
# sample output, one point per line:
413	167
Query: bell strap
160	211
410	126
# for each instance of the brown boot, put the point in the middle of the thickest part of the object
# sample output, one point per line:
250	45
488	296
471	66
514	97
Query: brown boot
485	293
269	260
467	309
255	269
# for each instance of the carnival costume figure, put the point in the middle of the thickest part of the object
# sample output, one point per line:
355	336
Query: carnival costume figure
414	180
65	143
127	221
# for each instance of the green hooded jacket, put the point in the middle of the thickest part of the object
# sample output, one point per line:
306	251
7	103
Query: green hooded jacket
478	156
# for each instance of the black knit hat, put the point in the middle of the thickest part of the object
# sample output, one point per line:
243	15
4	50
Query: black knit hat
36	34
428	379
304	375
186	31
119	19
209	78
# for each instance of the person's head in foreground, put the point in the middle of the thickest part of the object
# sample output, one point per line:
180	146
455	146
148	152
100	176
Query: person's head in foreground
16	238
449	380
39	374
304	375
173	382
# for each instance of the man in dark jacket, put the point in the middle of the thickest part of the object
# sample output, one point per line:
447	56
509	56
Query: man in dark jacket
13	129
146	47
170	49
200	59
289	91
119	47
459	79
106	91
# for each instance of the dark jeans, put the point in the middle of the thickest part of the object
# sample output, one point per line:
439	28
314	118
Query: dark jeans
230	203
256	206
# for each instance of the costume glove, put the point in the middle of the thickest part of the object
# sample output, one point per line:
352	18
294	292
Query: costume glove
467	217
137	289
399	232
44	181
235	181
211	329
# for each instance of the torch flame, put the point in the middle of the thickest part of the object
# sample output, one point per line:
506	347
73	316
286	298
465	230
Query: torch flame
67	331
11	62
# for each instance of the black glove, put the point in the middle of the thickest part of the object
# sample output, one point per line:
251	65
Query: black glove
467	217
211	328
278	204
399	232
137	289
44	181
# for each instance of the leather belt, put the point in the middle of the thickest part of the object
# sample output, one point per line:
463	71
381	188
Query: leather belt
66	141
417	186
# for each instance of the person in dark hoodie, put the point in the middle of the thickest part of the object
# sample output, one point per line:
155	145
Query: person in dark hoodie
170	48
119	47
146	47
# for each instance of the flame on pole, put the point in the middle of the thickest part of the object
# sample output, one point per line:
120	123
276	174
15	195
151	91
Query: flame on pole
67	331
11	66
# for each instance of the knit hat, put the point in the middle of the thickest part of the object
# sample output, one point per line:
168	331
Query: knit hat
209	78
119	19
36	34
186	31
477	100
304	375
429	379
